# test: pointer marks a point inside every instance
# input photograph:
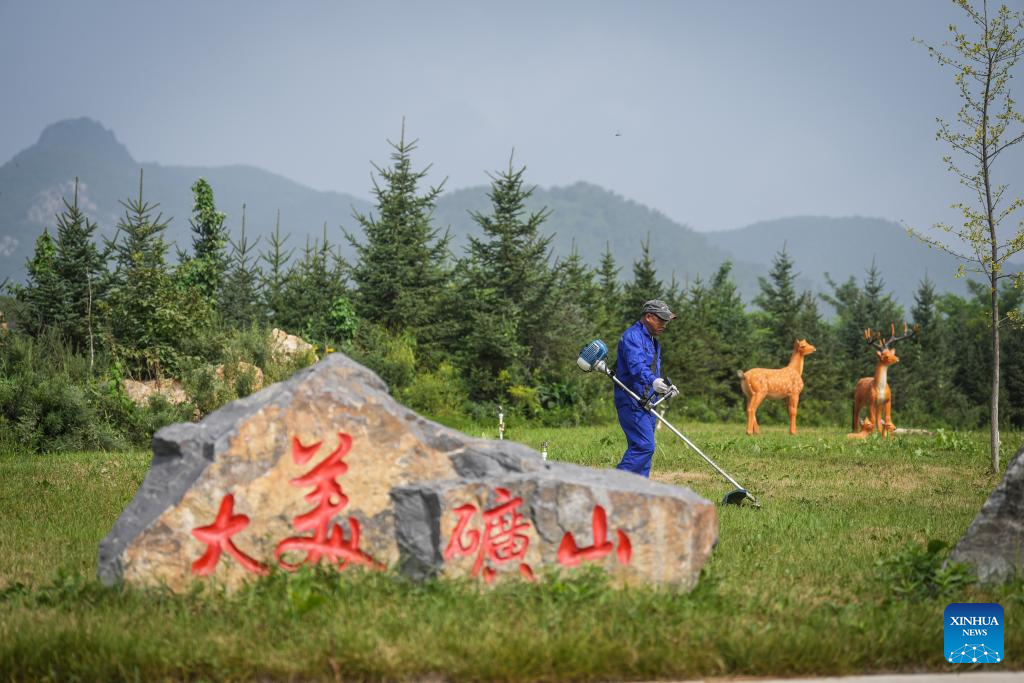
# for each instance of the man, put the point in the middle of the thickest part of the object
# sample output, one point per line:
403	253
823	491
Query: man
639	367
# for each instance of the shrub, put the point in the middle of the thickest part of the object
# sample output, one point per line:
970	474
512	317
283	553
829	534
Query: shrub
390	355
918	573
439	393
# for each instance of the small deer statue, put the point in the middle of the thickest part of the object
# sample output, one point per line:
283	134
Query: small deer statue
866	427
875	392
761	383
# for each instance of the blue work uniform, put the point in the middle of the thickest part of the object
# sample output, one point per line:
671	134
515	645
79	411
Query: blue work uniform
637	366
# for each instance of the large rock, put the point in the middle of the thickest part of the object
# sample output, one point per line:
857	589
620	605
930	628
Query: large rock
140	392
284	346
236	370
558	516
327	467
994	543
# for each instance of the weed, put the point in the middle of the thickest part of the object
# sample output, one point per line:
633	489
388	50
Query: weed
920	573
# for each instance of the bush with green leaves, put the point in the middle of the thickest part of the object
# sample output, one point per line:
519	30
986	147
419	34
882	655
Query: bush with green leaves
919	573
50	400
439	393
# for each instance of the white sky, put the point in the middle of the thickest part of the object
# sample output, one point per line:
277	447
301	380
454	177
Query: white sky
729	112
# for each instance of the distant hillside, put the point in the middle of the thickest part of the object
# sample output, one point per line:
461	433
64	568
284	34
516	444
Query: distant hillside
843	247
592	217
34	181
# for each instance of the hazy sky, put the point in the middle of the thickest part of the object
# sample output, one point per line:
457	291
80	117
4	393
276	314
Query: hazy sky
726	112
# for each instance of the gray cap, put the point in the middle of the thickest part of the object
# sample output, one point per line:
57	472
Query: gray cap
658	308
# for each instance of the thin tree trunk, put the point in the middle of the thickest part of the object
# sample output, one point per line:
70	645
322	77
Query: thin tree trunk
995	381
88	316
986	161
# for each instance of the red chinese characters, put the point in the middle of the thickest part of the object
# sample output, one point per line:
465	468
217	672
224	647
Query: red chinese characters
328	538
217	538
571	555
502	540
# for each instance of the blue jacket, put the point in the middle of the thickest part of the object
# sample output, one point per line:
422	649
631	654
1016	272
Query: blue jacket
638	362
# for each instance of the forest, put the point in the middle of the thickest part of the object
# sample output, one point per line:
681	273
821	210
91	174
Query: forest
457	336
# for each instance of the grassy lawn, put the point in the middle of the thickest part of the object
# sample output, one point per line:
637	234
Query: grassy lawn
794	588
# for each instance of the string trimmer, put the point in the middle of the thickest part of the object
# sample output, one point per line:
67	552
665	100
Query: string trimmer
592	358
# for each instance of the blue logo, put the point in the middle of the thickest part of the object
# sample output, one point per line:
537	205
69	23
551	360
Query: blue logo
974	633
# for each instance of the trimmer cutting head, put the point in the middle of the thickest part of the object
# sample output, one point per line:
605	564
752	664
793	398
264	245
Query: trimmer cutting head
737	497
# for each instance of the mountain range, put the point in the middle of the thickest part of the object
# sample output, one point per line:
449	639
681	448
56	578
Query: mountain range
583	216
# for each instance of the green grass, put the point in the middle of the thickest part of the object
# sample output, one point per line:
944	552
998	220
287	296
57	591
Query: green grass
795	588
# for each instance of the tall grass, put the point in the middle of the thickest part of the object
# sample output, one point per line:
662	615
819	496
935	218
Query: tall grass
831	576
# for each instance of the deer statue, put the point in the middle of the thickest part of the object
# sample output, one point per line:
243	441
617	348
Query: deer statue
875	392
761	383
866	427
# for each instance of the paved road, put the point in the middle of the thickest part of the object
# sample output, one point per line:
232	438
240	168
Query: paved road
966	677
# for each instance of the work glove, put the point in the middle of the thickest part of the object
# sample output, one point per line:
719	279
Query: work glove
661	386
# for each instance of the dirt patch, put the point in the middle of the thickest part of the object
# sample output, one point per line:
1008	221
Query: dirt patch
680	477
907	480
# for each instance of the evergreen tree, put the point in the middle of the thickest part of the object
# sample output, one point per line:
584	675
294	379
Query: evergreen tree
609	295
508	287
314	302
82	271
927	391
155	323
274	275
708	343
689	344
512	256
240	296
828	385
851	319
43	292
881	309
576	293
402	265
645	285
860	307
780	318
205	269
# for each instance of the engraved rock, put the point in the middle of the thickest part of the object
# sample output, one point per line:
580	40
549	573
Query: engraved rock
327	467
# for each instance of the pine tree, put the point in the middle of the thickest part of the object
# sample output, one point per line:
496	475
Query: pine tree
609	293
276	258
860	307
43	292
512	256
645	285
730	327
508	287
240	296
82	271
881	309
852	318
927	389
155	323
576	293
780	306
313	296
402	265
205	269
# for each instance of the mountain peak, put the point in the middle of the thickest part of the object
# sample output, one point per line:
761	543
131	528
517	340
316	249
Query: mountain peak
85	136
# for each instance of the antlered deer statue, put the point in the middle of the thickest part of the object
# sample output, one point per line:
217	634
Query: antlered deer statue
761	383
875	392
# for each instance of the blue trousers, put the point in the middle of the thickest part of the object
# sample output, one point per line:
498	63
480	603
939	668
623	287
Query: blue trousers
638	425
